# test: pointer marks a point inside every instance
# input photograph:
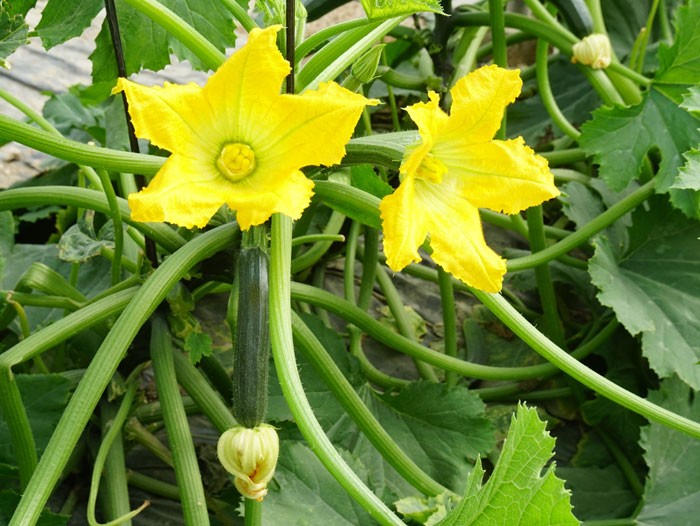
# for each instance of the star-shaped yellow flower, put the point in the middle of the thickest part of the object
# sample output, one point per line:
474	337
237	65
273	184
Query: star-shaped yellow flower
455	169
238	140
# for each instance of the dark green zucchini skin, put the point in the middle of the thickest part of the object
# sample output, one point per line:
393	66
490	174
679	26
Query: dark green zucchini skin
576	15
251	345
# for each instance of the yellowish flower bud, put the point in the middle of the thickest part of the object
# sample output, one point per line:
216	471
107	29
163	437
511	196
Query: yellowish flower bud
250	455
594	50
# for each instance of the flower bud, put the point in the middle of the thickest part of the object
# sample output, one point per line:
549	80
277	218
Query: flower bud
250	455
594	50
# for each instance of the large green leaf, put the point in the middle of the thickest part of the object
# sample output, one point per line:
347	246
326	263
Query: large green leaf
517	492
653	284
689	174
8	504
672	491
620	138
680	63
44	398
304	492
13	34
61	20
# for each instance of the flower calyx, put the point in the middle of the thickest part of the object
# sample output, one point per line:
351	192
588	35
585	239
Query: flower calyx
250	455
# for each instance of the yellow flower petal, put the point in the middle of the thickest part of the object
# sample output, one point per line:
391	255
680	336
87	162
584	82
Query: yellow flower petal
245	86
404	223
255	205
295	123
505	176
172	116
458	244
184	201
430	120
478	102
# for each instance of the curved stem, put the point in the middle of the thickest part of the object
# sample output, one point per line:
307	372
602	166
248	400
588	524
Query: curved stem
550	103
584	233
240	14
382	334
288	374
569	365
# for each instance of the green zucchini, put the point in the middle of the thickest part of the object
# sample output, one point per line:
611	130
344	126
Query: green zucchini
251	345
576	15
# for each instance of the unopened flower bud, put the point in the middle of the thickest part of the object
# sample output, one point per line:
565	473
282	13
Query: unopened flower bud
250	455
365	68
594	50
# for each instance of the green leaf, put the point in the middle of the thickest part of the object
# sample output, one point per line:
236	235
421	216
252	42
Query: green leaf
653	285
389	8
364	177
426	510
61	21
691	100
689	175
680	63
80	243
306	493
44	398
13	34
198	345
148	46
619	138
517	492
672	491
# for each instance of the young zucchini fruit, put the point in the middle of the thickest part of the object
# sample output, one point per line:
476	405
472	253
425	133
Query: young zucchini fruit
251	345
577	16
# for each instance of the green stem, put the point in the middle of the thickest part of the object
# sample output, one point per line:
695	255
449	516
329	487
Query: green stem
115	215
449	320
14	198
240	14
550	103
185	33
314	253
545	287
202	393
569	365
325	34
253	512
382	334
403	324
373	375
623	463
187	474
77	152
288	374
584	233
136	431
314	238
103	365
358	411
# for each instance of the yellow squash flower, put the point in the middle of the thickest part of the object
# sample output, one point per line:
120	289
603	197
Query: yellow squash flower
238	140
455	169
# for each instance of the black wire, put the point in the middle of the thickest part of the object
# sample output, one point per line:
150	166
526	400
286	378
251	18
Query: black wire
290	21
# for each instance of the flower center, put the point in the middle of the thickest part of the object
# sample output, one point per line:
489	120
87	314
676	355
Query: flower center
431	169
236	161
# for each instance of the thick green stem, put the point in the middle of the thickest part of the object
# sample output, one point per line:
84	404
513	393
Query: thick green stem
569	365
285	363
189	478
500	52
240	14
253	512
